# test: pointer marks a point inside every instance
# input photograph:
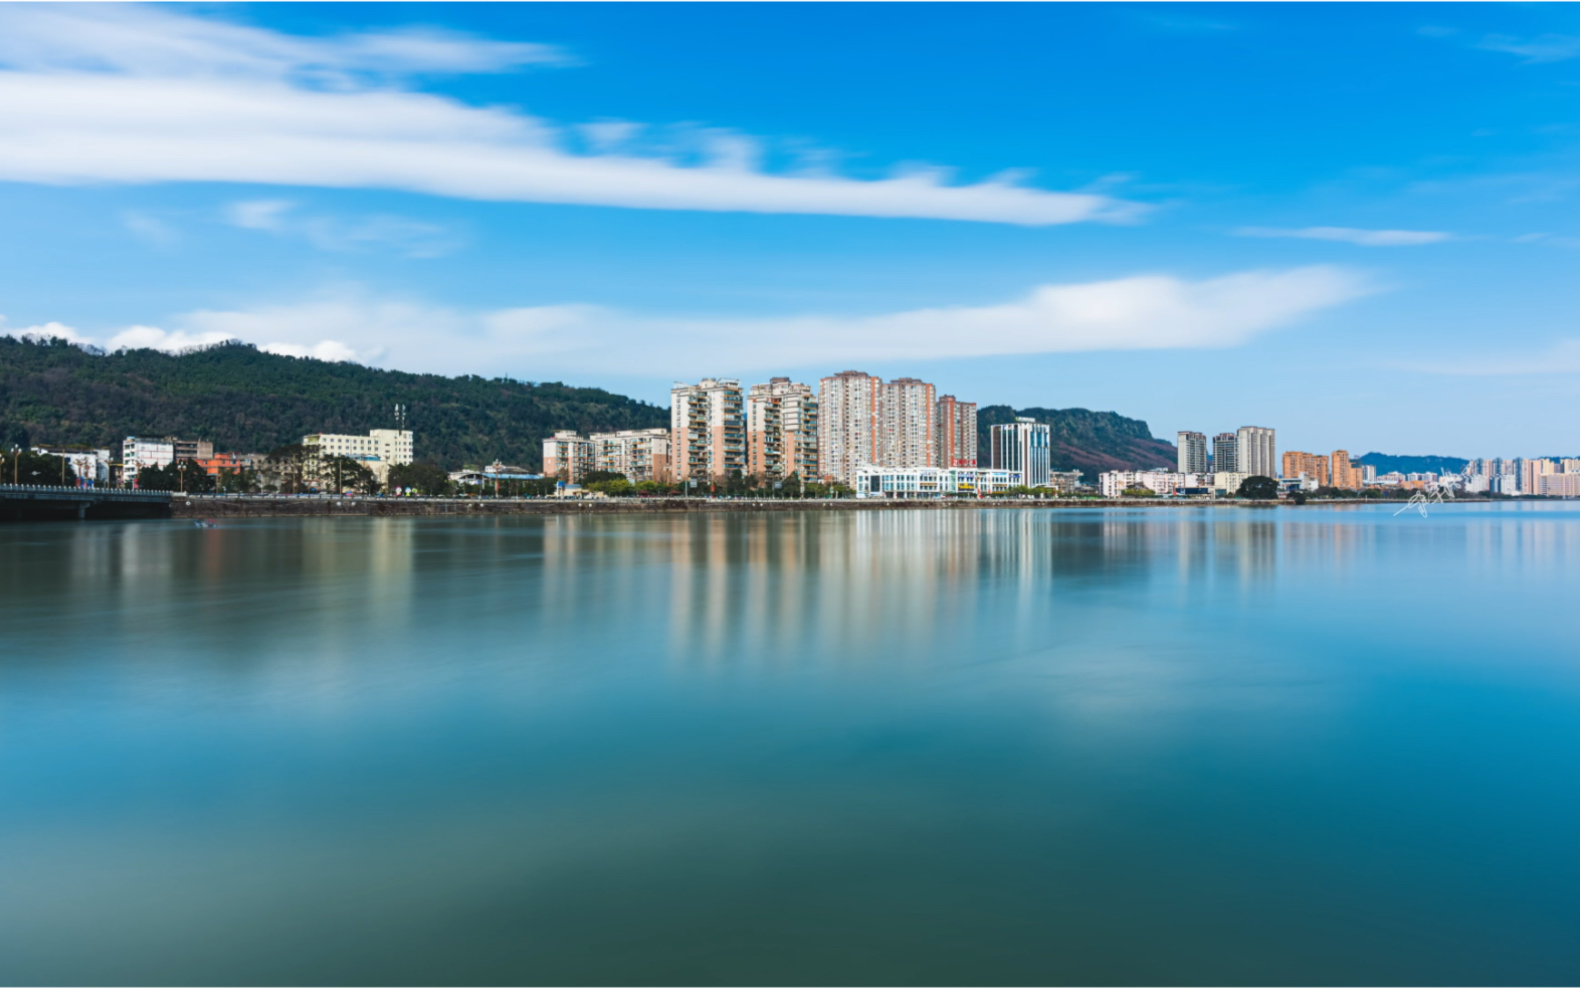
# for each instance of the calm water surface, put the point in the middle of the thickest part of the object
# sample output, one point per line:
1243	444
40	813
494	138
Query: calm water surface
1006	746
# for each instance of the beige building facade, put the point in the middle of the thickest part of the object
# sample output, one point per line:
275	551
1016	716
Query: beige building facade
707	430
847	424
636	454
782	430
568	456
956	445
907	424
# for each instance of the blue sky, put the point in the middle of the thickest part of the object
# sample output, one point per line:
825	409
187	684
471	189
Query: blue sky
1354	223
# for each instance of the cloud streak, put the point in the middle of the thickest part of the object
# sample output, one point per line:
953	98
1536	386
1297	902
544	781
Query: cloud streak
1350	235
1135	313
1562	357
131	95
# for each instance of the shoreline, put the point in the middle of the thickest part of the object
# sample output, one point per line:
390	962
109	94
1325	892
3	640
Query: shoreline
265	505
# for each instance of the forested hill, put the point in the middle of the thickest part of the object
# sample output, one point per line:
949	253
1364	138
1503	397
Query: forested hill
1092	442
248	401
1386	463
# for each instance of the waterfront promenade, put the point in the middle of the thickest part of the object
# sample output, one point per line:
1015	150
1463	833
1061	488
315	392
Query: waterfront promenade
267	505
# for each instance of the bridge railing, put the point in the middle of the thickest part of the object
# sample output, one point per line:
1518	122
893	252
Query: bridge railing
67	489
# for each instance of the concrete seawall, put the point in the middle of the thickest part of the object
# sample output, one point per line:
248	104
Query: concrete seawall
262	505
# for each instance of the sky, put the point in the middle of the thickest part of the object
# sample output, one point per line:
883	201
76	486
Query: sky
1355	223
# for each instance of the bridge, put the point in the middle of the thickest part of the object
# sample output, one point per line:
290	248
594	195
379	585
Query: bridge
26	502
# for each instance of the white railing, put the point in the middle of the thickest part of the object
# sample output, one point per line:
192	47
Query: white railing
68	489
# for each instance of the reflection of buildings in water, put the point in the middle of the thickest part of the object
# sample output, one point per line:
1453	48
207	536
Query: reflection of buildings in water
1245	546
805	584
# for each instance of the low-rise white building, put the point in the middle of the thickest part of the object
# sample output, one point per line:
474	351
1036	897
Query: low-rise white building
1228	482
1164	483
934	482
379	450
92	466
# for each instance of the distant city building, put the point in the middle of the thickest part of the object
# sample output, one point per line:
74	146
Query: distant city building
707	430
568	456
1192	452
1569	466
379	450
1064	481
848	424
1224	458
957	432
1255	451
1344	474
907	430
635	454
1559	484
1531	473
1163	483
1228	482
1506	483
1022	445
915	483
1368	473
782	430
232	462
1306	465
139	452
91	466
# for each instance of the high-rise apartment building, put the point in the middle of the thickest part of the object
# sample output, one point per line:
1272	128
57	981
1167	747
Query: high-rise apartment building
847	411
1022	446
907	433
957	433
707	430
1192	452
781	430
1310	466
1344	474
1531	473
568	456
1224	459
636	454
1255	451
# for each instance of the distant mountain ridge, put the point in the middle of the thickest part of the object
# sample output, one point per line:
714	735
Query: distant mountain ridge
1092	442
248	401
1388	463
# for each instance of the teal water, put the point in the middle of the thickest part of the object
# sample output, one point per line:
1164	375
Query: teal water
1314	745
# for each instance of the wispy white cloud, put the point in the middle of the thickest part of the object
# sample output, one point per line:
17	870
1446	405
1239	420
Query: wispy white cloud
1535	51
1350	235
148	228
1562	357
45	331
332	233
156	41
127	94
154	338
1142	312
259	214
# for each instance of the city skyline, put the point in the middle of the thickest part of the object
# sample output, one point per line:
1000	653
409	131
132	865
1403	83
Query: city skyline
642	218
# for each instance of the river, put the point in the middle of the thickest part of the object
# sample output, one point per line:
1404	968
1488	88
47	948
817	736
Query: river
1006	746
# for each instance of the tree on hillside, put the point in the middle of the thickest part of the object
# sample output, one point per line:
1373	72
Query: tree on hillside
180	475
246	401
341	473
1258	489
424	476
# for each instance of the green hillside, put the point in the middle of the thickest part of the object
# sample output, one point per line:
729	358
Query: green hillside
1092	442
248	401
